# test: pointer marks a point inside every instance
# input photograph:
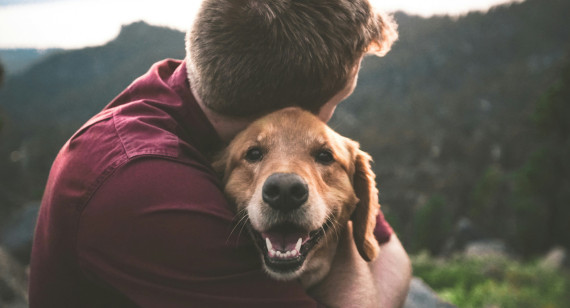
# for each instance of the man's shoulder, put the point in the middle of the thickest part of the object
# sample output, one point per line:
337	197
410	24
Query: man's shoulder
165	184
112	141
113	137
155	117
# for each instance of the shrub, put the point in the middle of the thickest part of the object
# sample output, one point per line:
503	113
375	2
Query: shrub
432	225
494	282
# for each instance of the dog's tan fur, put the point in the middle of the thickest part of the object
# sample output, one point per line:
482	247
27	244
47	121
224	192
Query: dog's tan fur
340	191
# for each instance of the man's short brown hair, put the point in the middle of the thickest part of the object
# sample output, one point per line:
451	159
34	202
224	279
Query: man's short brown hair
250	57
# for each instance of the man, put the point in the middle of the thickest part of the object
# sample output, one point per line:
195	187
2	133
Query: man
134	215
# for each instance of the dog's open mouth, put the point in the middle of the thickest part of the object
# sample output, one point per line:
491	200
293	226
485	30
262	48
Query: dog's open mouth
285	247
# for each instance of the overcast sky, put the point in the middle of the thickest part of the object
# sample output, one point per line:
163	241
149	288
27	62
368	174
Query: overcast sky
80	23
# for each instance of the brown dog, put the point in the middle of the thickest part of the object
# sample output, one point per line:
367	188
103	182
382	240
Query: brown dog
296	184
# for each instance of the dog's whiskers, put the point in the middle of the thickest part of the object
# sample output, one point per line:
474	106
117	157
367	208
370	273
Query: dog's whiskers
243	219
335	227
330	224
243	226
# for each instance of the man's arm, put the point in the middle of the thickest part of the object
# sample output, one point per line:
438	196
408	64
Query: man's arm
353	282
392	271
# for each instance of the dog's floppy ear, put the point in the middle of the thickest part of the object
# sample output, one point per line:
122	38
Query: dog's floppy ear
221	164
364	216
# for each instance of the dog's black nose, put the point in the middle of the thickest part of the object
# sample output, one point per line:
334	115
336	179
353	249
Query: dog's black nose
285	191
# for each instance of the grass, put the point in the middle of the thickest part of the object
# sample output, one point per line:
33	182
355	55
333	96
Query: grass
494	282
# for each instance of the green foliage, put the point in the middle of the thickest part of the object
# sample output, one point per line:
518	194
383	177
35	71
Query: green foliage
494	282
1	73
1	81
432	225
447	110
487	209
553	109
542	186
530	214
488	186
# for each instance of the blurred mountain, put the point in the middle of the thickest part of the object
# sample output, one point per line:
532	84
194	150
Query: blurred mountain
448	111
44	105
444	114
16	61
1	73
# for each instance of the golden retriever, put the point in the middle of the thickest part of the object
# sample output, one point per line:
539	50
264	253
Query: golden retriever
296	184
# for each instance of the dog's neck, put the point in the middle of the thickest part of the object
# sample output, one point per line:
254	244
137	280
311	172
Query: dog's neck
319	266
226	127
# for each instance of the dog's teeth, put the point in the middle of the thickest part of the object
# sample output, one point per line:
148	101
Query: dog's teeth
283	254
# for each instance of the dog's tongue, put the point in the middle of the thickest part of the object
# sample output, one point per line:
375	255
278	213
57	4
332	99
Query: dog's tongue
285	241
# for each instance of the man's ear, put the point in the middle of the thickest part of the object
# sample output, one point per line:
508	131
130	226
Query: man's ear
364	216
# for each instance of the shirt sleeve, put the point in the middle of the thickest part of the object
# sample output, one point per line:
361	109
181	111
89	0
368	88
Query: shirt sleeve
162	234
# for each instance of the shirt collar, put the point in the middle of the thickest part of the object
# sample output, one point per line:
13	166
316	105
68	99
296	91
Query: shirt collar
193	121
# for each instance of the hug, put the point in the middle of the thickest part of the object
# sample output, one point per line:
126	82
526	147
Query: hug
214	181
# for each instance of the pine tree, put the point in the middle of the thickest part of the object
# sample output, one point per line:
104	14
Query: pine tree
542	187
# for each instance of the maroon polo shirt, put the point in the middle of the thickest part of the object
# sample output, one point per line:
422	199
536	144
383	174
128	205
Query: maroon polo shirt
134	215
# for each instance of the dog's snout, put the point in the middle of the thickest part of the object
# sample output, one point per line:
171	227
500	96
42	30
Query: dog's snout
285	191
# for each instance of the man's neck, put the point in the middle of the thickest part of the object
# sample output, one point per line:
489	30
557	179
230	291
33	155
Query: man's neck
226	127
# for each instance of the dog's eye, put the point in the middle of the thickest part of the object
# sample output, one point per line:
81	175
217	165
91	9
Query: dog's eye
254	154
324	157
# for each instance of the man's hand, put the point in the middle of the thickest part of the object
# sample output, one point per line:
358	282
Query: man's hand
352	282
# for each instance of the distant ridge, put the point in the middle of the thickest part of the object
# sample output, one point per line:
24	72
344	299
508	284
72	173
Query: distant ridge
82	81
44	105
16	61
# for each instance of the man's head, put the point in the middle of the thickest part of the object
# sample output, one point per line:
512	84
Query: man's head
250	57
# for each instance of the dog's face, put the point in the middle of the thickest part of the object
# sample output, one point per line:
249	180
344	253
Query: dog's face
296	183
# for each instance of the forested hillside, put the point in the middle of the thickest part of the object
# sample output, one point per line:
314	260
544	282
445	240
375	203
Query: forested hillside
447	115
45	105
